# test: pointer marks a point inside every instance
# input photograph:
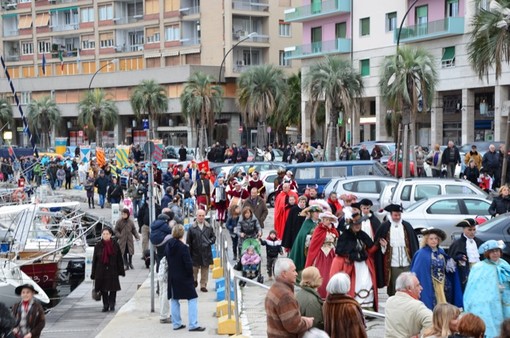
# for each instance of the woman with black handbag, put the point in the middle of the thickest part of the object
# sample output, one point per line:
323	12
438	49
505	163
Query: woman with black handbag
107	266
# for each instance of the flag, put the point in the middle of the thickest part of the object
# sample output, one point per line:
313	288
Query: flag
204	165
11	151
158	152
61	57
44	64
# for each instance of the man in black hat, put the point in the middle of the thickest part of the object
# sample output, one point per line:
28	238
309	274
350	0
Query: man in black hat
371	224
398	243
28	313
465	250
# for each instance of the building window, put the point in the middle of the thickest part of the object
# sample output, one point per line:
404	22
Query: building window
316	39
105	12
448	58
88	42
172	33
365	67
152	34
391	21
106	40
27	48
364	26
452	8
44	47
87	14
341	30
25	97
284	29
282	60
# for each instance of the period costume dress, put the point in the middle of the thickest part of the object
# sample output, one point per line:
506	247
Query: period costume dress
487	292
292	226
465	248
281	212
440	285
354	256
302	242
322	252
220	202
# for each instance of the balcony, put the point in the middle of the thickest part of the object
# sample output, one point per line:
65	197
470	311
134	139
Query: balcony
338	46
12	57
317	10
260	38
128	19
191	41
188	11
253	5
65	27
10	32
431	30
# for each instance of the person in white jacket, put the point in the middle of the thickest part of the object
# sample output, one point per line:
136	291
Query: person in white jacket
164	303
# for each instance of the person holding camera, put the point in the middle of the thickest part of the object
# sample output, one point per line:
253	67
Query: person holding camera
200	238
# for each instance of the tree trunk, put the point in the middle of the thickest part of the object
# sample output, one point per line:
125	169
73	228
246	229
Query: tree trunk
261	134
330	141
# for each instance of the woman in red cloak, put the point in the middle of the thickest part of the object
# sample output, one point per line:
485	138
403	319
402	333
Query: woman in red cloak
280	210
322	248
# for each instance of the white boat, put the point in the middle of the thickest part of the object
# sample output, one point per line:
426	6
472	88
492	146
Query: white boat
11	277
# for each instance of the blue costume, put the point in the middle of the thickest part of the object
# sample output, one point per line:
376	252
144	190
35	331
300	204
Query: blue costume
487	294
428	265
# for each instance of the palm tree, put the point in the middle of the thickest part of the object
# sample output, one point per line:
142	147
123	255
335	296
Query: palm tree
408	82
261	93
335	82
490	47
149	98
5	112
291	114
43	114
97	113
490	38
200	100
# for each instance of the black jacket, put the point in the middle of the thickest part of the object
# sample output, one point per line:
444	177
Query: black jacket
499	205
106	276
491	162
364	155
101	184
273	247
182	154
180	271
445	158
160	229
200	242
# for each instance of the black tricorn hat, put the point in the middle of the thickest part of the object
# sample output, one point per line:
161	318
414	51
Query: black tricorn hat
366	202
467	223
25	286
356	205
440	233
394	207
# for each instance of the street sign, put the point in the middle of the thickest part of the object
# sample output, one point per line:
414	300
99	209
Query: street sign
145	123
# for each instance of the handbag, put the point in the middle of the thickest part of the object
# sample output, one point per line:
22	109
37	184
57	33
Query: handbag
96	295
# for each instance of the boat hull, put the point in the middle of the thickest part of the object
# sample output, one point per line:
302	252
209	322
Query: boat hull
45	274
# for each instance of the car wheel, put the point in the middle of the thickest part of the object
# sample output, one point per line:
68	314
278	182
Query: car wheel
270	200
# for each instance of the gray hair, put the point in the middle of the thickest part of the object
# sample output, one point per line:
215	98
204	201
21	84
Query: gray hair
339	283
282	265
405	281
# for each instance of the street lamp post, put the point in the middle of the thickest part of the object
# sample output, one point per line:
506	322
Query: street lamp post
114	61
249	36
405	153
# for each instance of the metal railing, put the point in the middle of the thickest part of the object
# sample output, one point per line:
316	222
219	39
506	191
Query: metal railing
318	9
254	5
446	26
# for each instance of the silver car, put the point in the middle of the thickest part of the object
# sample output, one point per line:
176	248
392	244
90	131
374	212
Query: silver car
268	178
444	212
368	186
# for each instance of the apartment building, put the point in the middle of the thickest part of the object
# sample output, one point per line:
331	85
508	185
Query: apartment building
465	108
65	47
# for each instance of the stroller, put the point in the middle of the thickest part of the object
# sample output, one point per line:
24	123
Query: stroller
251	242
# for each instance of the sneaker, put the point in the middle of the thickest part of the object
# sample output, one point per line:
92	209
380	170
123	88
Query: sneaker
166	321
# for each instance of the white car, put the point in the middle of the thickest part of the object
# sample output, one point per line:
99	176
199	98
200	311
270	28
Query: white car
444	212
368	186
268	178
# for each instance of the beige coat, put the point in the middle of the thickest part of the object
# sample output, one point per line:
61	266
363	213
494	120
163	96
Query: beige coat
406	316
124	231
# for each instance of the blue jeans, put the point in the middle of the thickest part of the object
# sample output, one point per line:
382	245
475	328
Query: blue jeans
192	313
101	200
136	206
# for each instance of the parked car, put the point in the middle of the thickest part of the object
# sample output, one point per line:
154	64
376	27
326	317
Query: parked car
259	166
369	187
386	148
221	168
497	228
444	212
390	165
320	173
268	179
411	190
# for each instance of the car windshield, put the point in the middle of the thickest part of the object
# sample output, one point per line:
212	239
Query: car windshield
415	205
485	227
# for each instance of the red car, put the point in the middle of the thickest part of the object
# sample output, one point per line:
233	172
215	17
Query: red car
391	166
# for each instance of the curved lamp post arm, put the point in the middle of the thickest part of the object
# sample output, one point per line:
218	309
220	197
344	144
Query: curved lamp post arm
114	61
231	49
403	20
